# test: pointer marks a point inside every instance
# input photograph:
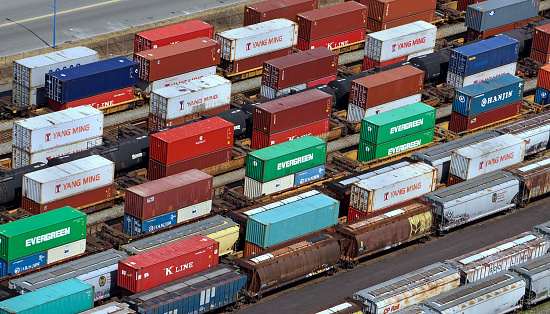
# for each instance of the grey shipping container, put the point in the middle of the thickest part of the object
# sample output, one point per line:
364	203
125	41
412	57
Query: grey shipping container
535	130
440	155
536	274
473	199
543	229
496	13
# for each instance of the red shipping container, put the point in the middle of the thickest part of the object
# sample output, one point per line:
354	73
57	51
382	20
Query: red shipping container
369	63
462	5
543	79
291	111
541	38
157	170
354	214
276	9
460	123
299	68
376	26
472	34
334	41
541	57
331	20
156	123
182	57
167	263
191	140
324	80
168	194
261	140
98	101
452	180
86	199
172	34
383	87
256	62
387	10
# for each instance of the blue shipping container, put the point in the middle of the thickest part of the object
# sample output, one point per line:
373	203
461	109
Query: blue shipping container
67	297
484	96
134	226
309	175
91	79
23	264
542	96
483	55
292	220
496	13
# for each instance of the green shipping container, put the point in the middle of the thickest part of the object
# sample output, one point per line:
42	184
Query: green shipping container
281	160
41	232
397	123
368	151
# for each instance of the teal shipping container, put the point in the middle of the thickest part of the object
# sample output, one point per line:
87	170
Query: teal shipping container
67	297
292	220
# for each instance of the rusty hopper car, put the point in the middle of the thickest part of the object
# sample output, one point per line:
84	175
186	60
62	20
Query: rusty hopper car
543	229
409	289
500	256
535	130
473	199
534	178
284	264
536	274
385	229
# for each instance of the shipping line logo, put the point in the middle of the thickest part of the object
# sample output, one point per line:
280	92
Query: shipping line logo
408	44
262	43
492	99
295	161
176	269
67	132
406	126
402	191
48	236
77	183
197	101
496	160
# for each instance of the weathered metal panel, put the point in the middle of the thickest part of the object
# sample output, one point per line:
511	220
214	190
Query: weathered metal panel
534	176
369	151
458	81
496	13
356	113
536	274
534	130
253	188
347	305
543	229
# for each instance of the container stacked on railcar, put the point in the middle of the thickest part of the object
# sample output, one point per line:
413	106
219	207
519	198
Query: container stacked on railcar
111	307
540	48
533	129
542	95
534	178
276	9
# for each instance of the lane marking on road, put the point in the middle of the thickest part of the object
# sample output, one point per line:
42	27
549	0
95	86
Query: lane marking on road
62	12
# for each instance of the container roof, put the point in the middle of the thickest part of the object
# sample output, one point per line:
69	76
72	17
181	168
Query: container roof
92	68
294	209
40	221
289	147
485	45
399	113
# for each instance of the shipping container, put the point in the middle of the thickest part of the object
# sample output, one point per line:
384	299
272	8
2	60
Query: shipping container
541	39
57	129
108	99
331	20
299	68
218	228
347	305
148	87
393	187
536	274
262	140
309	175
372	90
191	97
460	123
543	77
168	263
369	151
98	270
386	10
534	130
111	307
356	114
486	156
322	81
483	55
472	34
369	63
174	59
409	289
454	180
284	159
91	79
534	178
68	297
168	194
543	229
333	42
23	264
488	95
28	97
191	140
253	63
496	13
172	34
194	211
276	9
473	199
542	96
65	251
538	56
458	81
271	93
253	188
134	226
156	123
463	4
292	220
31	72
375	26
257	39
400	41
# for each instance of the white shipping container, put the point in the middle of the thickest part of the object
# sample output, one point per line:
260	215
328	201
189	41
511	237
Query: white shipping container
420	53
271	93
258	39
149	87
393	187
72	178
356	113
26	97
65	251
191	97
31	72
458	81
490	155
21	158
58	129
400	41
194	211
253	188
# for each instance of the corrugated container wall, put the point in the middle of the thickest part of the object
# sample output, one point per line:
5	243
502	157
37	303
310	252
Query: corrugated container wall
148	87
334	19
543	78
460	123
368	151
496	13
172	34
534	176
253	188
534	130
541	39
103	100
275	9
461	81
386	10
318	128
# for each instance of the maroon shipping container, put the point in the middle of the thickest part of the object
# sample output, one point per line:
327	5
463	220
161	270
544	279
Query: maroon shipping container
292	111
167	263
168	194
462	5
183	57
460	123
369	63
335	41
299	68
84	200
376	26
256	62
191	140
543	78
261	140
541	38
331	20
541	57
452	180
155	123
472	34
354	214
323	81
275	9
172	34
387	10
383	87
157	170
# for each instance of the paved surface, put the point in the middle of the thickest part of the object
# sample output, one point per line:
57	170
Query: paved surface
399	262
